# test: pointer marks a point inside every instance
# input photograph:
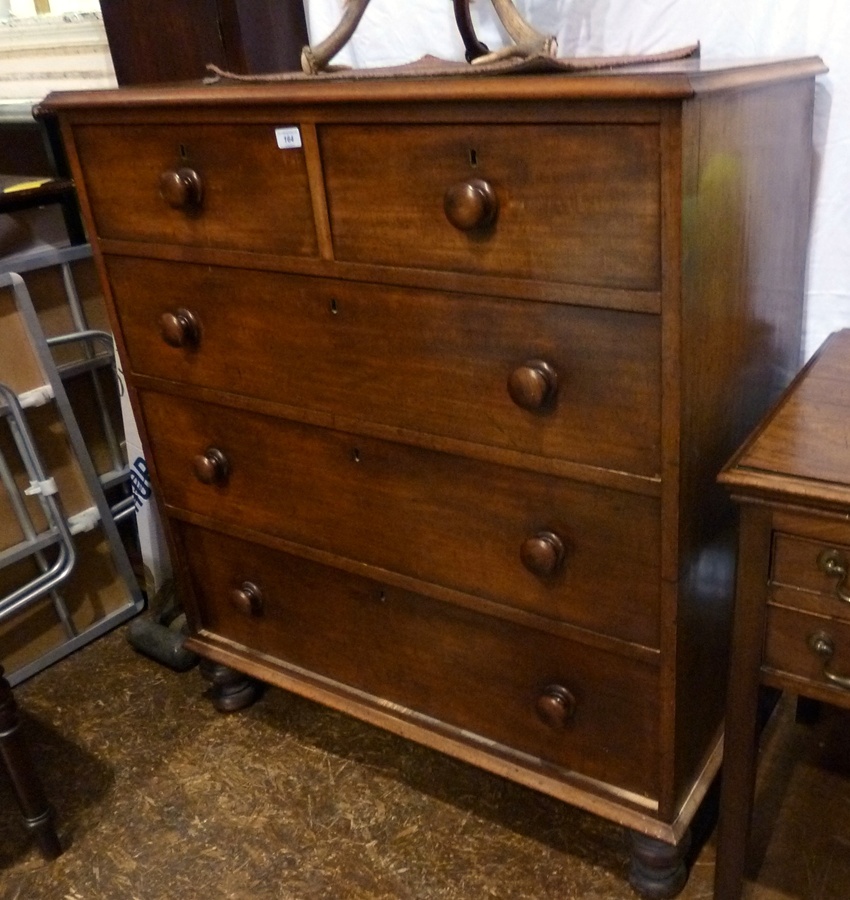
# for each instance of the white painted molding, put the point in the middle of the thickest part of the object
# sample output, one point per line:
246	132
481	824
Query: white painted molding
48	53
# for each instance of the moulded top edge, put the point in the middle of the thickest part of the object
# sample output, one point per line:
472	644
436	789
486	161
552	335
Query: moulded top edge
657	81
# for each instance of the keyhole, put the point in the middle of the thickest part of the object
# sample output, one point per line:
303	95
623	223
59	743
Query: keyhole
355	455
334	307
473	158
183	154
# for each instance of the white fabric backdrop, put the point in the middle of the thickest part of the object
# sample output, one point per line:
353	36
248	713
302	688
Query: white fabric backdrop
725	28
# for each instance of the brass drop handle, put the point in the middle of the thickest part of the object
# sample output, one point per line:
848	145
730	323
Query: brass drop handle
556	706
821	644
211	466
248	599
543	553
181	188
471	205
834	563
533	385
180	328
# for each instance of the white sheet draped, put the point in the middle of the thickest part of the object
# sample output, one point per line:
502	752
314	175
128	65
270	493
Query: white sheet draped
396	31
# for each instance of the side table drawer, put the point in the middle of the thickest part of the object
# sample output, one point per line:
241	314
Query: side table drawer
813	648
245	192
566	203
577	707
811	575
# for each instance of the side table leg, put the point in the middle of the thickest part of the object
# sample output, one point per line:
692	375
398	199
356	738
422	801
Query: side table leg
230	690
658	870
36	811
740	742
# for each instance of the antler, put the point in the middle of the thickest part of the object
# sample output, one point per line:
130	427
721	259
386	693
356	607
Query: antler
314	59
528	40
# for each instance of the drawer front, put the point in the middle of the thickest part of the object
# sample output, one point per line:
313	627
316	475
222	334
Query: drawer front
479	674
811	575
568	203
419	360
247	194
442	519
811	647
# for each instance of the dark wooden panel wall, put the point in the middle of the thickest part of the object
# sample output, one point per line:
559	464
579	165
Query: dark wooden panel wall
160	40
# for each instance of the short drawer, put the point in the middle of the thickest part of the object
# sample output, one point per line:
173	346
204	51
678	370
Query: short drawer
585	382
232	187
572	706
563	203
809	647
591	555
811	575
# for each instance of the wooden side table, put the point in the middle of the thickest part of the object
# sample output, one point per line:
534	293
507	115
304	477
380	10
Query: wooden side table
792	612
14	754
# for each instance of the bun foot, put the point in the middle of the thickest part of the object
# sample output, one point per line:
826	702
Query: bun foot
229	690
658	870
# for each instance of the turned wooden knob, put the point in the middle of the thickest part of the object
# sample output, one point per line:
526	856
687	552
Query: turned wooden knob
248	599
211	466
555	706
471	204
543	553
181	188
533	385
180	328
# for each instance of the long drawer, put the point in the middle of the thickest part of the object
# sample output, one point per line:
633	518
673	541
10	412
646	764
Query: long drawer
566	550
199	185
575	707
553	380
563	203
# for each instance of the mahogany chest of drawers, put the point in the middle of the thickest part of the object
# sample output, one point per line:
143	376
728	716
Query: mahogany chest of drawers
436	377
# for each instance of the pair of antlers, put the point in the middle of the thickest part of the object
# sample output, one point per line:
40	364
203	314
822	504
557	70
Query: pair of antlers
528	41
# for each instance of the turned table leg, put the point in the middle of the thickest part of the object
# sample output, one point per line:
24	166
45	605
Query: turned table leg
38	816
658	870
230	690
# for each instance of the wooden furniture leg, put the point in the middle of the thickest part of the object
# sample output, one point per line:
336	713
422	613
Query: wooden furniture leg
658	870
739	751
38	816
230	690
